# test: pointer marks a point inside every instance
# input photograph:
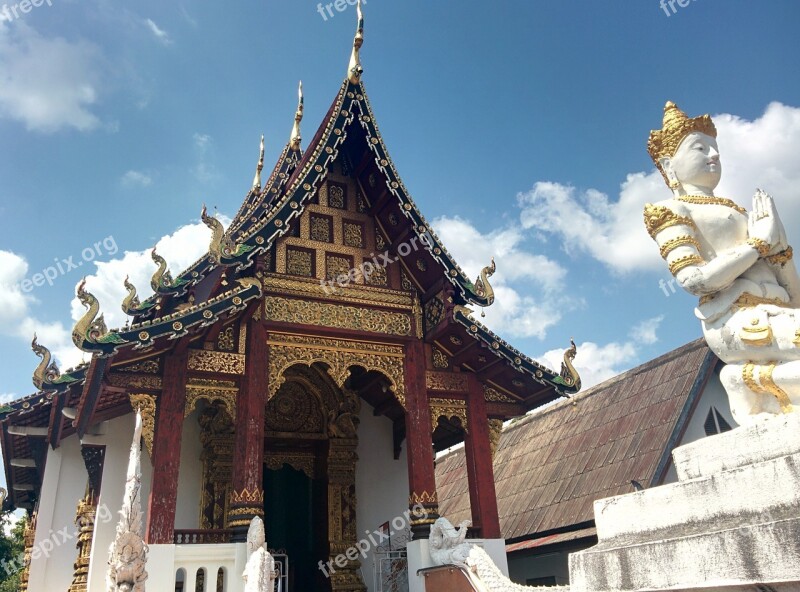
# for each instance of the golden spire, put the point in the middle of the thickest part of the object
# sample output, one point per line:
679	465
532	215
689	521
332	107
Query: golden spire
354	70
296	138
257	178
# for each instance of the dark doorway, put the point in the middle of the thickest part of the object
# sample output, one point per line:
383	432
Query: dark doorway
295	517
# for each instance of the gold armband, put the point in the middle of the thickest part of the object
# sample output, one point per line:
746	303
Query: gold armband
657	218
685	262
763	247
680	241
781	258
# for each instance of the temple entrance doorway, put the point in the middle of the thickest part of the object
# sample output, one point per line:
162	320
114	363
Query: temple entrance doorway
309	478
295	516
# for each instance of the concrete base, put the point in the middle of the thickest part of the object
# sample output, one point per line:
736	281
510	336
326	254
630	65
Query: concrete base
419	557
731	523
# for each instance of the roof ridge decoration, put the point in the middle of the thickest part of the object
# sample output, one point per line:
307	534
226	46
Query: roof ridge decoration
130	304
47	371
296	138
162	282
259	168
354	69
221	245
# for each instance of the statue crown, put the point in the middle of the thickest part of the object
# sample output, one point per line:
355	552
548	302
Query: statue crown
677	125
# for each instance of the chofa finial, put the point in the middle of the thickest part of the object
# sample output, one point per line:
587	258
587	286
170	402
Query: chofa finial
257	178
354	70
296	138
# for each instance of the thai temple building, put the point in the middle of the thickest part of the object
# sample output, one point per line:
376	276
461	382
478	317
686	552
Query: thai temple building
305	370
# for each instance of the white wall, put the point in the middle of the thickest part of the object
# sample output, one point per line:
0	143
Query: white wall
64	484
714	395
190	479
381	482
117	437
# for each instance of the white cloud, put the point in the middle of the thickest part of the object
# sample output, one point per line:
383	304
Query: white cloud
159	33
645	332
528	286
16	318
760	153
48	83
595	363
136	178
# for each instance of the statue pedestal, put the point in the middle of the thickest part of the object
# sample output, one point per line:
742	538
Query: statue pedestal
731	522
419	557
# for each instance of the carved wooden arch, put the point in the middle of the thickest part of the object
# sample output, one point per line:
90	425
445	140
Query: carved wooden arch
339	355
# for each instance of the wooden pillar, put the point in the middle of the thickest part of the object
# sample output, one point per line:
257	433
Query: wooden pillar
423	500
247	491
167	449
480	473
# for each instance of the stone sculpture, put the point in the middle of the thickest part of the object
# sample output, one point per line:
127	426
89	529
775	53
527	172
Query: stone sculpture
738	264
259	573
128	553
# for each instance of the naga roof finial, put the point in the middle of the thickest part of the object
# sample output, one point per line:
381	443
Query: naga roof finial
354	70
47	371
296	138
257	178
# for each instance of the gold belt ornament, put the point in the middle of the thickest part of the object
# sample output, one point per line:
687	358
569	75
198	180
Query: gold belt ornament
759	333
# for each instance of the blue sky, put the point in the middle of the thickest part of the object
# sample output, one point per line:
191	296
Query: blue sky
518	126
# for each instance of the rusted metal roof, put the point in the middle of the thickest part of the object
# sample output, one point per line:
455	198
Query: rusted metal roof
551	466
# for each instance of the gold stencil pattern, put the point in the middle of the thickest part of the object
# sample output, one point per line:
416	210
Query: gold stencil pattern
449	409
212	361
353	235
336	197
338	317
147	405
320	229
446	381
339	355
337	266
298	262
225	340
210	391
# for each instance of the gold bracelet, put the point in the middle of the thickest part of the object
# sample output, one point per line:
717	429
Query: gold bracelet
781	258
685	262
763	247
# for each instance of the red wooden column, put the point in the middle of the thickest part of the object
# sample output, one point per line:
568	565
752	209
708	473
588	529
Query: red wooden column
480	473
167	449
423	500
247	494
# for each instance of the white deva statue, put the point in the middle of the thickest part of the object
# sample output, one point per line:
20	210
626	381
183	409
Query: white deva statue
739	264
259	573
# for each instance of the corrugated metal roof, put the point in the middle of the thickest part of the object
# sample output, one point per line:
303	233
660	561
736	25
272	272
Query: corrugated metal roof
551	466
